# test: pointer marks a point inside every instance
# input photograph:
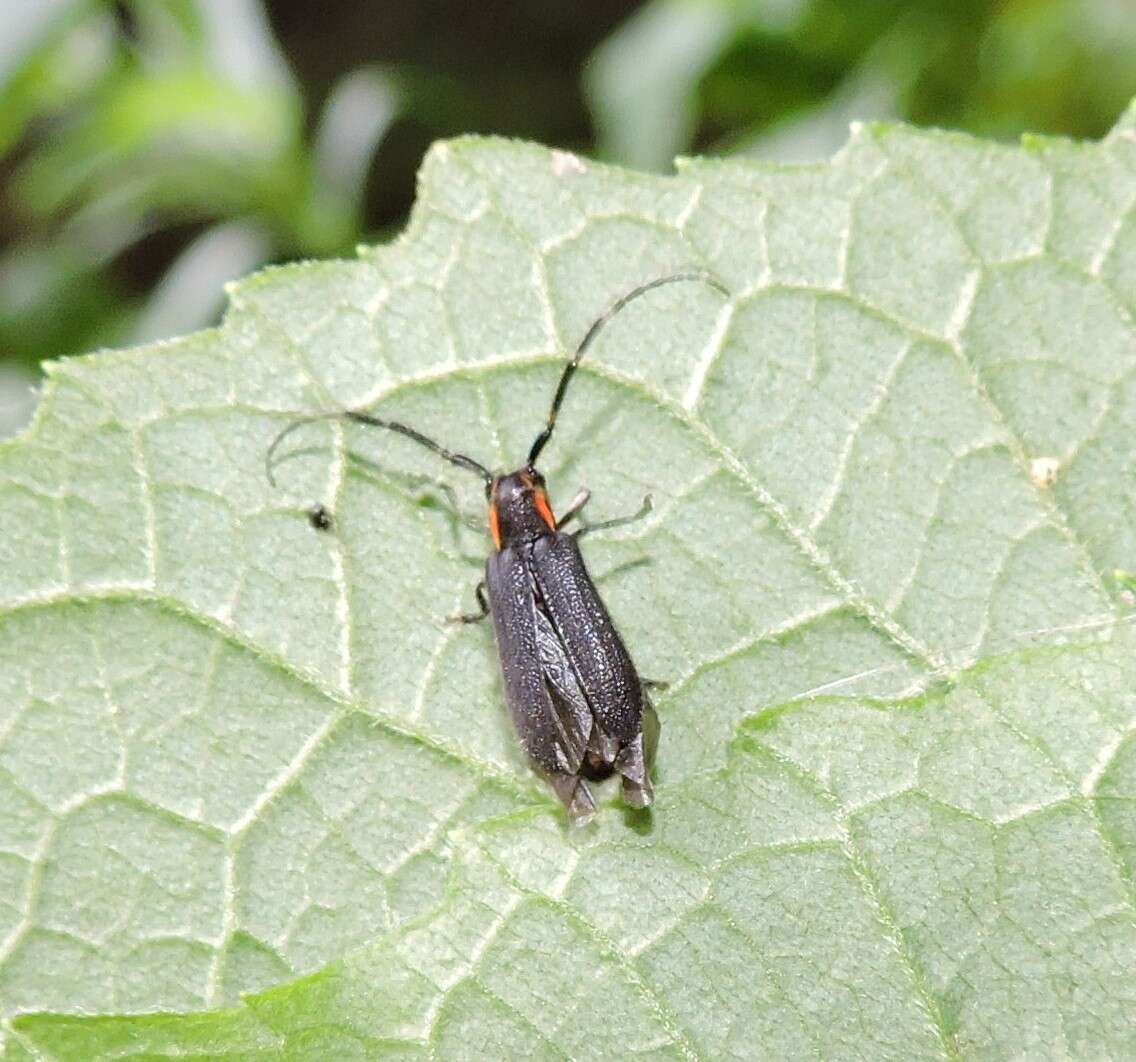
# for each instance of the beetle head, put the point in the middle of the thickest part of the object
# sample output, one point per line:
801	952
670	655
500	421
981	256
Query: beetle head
518	507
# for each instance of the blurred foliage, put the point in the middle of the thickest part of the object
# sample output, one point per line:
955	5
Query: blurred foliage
151	150
782	78
159	124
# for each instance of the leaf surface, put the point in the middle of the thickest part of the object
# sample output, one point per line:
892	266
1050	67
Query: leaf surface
256	786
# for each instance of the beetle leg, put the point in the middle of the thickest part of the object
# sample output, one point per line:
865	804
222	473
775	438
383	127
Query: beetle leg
455	508
474	617
573	510
619	521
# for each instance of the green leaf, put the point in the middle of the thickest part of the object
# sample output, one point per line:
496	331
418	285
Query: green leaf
261	801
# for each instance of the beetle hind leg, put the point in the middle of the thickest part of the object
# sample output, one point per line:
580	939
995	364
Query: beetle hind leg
575	796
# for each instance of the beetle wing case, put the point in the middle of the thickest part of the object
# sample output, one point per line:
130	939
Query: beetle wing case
590	639
572	691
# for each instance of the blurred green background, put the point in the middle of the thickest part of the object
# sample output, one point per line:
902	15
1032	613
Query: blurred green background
154	149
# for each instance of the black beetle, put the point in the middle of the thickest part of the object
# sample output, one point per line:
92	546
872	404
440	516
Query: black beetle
577	703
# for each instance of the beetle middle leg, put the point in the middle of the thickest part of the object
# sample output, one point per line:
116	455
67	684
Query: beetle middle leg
474	617
619	521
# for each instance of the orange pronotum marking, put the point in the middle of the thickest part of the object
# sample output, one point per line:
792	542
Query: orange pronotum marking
495	525
545	510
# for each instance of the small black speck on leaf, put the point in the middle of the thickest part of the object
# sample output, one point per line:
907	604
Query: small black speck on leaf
320	518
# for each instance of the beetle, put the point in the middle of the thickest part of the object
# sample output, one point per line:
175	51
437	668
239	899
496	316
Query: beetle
579	707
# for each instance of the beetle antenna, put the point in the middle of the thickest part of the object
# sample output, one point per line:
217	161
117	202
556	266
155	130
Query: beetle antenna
595	329
369	419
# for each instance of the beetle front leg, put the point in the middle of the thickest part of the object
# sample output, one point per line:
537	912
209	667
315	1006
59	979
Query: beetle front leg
619	521
474	617
573	510
455	511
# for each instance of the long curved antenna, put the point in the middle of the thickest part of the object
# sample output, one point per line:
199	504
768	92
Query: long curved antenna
593	331
460	460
